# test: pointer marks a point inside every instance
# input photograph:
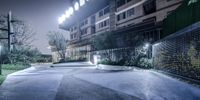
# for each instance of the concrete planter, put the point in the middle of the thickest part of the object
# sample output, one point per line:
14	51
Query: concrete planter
113	67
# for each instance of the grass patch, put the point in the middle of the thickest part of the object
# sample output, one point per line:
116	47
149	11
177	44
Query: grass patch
9	69
14	67
4	74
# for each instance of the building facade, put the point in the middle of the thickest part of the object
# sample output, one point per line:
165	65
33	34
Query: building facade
143	17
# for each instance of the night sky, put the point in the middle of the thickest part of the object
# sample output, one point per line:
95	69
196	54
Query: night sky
41	14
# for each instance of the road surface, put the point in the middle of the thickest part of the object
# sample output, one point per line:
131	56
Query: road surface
80	82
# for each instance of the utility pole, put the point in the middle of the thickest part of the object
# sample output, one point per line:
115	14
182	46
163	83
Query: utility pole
8	29
9	21
0	60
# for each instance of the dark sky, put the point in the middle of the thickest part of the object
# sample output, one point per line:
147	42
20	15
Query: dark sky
41	14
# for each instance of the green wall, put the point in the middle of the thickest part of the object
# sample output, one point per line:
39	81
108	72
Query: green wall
187	14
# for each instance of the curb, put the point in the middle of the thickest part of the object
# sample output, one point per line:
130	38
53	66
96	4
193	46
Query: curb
113	68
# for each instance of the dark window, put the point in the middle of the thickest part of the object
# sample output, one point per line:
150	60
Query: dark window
120	2
118	17
124	15
130	12
84	31
93	19
100	13
149	6
128	1
101	24
121	16
106	10
93	30
105	23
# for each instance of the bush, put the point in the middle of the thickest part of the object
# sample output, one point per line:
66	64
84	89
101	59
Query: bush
2	78
142	63
107	62
145	63
67	60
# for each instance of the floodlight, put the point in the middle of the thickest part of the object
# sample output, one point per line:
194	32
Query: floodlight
67	14
71	10
82	2
76	6
61	19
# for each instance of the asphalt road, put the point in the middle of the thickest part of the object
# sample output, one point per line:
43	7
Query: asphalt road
73	88
88	83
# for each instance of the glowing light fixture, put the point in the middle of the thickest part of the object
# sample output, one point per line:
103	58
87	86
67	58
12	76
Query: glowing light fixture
76	6
71	10
82	2
61	19
146	46
67	14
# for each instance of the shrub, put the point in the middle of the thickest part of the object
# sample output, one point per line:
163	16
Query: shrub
145	63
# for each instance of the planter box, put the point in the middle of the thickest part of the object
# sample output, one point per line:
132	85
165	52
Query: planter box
113	67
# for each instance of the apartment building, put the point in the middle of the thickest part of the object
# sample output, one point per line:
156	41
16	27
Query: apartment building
144	17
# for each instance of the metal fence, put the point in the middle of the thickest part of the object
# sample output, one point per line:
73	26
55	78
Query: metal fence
179	53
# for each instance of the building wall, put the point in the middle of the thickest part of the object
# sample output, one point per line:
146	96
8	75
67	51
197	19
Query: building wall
163	8
100	21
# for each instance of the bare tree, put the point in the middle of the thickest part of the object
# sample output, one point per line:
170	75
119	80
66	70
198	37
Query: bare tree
23	34
58	43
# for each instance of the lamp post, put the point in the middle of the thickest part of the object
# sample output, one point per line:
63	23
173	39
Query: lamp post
0	60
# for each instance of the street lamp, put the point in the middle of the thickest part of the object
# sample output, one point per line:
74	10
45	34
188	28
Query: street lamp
0	60
146	46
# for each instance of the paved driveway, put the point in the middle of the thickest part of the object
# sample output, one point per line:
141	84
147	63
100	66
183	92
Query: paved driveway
87	83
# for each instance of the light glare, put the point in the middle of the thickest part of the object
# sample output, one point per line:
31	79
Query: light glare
76	6
61	19
82	2
67	14
71	10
